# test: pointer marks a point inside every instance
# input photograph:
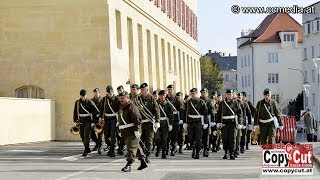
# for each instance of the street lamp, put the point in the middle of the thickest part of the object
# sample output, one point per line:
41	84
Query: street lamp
316	62
305	86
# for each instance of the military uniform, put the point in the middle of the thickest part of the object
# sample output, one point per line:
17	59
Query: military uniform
108	111
250	121
246	121
213	125
96	138
85	112
150	113
120	140
177	107
230	120
265	121
166	125
197	120
181	121
130	128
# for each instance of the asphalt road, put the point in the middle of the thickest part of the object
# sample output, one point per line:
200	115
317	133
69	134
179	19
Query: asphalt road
61	160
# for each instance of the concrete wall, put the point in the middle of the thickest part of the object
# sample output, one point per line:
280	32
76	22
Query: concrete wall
26	120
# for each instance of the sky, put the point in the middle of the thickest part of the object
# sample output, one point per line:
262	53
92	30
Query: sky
218	27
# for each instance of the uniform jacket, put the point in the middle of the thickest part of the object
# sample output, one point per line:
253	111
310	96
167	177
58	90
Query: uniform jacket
178	105
105	109
151	104
210	106
84	106
130	114
262	113
223	110
168	110
200	106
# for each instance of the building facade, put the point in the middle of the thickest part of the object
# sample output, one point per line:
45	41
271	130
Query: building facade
311	50
51	49
264	56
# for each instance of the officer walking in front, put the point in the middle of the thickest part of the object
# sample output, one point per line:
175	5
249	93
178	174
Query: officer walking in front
130	128
229	116
197	120
268	118
85	113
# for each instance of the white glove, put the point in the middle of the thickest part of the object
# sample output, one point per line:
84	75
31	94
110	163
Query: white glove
120	134
92	124
212	124
117	124
181	122
75	124
205	126
170	127
157	125
244	127
185	126
280	127
137	134
219	125
239	126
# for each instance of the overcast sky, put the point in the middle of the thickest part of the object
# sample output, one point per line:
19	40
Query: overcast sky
219	27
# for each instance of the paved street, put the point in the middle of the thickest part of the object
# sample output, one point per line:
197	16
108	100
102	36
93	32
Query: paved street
61	160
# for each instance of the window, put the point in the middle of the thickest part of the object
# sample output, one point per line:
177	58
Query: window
313	99
245	61
30	92
249	60
272	57
288	37
236	77
305	53
318	25
118	29
276	97
226	78
273	78
245	81
241	61
305	76
312	51
242	81
308	28
249	83
313	74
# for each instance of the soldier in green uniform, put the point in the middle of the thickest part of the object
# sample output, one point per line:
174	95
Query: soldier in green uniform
268	118
130	128
250	120
177	106
108	113
246	120
120	140
179	96
150	113
238	131
197	120
85	113
229	116
98	140
166	120
207	132
213	124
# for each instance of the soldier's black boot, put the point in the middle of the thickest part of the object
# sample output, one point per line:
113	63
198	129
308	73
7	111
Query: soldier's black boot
247	146
121	150
143	164
95	147
242	150
127	168
163	154
158	151
86	151
112	153
197	154
235	155
225	155
147	158
232	155
193	152
172	152
167	151
180	150
205	153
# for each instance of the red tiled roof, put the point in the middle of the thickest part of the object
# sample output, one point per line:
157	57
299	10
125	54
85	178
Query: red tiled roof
269	28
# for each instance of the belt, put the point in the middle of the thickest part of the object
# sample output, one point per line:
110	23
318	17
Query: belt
194	116
163	118
229	117
145	120
110	115
85	115
126	126
175	112
266	120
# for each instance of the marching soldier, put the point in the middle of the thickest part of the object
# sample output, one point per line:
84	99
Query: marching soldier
130	128
85	113
150	113
250	121
134	93
229	116
179	95
177	107
268	118
120	139
155	94
108	113
207	131
213	136
197	120
98	140
120	89
219	137
238	131
166	120
246	121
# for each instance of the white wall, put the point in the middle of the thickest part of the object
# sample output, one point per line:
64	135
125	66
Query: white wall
26	120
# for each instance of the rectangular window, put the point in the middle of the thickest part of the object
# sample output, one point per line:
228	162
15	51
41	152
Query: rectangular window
273	78
249	83
313	73
308	28
272	57
305	53
245	61
249	60
276	97
313	96
245	81
312	51
318	25
118	29
242	61
242	81
226	78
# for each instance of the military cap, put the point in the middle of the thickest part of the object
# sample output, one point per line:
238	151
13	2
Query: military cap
154	92
119	87
124	93
244	94
229	91
109	89
240	94
83	92
266	91
219	94
179	94
214	93
204	90
194	90
162	92
170	86
144	85
96	90
234	91
135	86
